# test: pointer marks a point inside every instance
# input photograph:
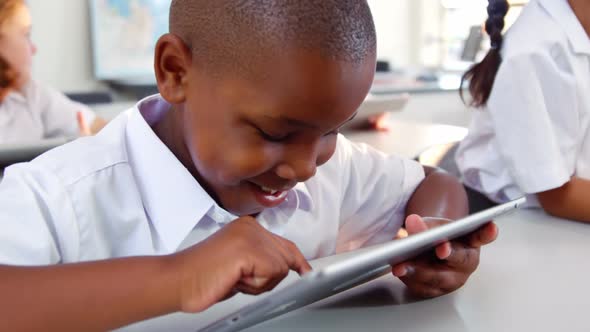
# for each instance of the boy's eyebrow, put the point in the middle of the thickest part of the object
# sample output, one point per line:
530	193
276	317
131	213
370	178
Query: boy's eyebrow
292	122
299	123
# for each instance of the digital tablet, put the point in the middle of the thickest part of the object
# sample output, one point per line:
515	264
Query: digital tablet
355	269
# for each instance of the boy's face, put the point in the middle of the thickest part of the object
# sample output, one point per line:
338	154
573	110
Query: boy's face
16	46
251	140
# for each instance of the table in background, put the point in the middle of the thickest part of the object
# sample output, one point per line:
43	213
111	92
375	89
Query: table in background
407	138
111	110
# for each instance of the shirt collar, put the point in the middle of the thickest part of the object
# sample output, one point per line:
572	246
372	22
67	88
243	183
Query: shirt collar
304	197
174	201
564	15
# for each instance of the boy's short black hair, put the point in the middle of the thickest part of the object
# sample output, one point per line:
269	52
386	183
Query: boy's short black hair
238	34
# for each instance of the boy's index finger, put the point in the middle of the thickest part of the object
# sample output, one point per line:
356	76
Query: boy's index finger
300	264
304	268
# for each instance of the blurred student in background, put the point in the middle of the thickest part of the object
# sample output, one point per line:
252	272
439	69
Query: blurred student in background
531	132
30	111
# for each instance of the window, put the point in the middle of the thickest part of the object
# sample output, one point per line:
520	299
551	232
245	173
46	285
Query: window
432	33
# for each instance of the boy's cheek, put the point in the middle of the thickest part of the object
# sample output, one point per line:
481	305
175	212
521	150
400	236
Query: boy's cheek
326	154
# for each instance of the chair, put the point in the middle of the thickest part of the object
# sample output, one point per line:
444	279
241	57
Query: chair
90	98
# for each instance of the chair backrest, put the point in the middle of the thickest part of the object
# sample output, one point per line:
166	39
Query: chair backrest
472	44
90	98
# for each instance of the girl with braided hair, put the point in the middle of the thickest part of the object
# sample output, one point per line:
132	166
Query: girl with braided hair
30	111
530	131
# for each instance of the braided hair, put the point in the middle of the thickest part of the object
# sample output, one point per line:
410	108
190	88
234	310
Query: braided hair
481	76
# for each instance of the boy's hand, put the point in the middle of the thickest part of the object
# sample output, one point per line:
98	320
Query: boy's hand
241	257
451	264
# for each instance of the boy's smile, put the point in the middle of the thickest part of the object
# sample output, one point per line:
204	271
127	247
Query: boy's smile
249	139
269	197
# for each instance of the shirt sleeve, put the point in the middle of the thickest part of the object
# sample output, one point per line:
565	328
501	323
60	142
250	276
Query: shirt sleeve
36	219
58	112
376	190
533	107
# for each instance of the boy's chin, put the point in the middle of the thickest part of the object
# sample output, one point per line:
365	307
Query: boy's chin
243	210
254	212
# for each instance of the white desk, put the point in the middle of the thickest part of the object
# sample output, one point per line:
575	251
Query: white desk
533	278
408	138
405	138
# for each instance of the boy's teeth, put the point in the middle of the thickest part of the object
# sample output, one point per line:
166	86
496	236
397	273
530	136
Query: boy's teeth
268	190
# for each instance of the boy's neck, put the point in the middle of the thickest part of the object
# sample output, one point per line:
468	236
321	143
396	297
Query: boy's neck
581	9
171	135
170	131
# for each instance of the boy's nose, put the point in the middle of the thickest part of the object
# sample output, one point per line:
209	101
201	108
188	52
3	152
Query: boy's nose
297	170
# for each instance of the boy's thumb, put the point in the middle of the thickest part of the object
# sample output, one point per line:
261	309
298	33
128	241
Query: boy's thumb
415	224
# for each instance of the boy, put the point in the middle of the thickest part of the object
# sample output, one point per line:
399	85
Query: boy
252	96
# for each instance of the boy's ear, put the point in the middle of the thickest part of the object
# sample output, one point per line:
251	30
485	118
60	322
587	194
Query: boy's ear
172	63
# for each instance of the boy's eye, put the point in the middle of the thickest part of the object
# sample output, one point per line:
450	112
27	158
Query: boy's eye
333	132
271	137
278	138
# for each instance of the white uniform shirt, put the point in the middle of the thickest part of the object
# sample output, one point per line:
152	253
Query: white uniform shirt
534	134
123	193
39	112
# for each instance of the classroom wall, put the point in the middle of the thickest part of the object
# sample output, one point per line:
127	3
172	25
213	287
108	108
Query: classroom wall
394	28
61	33
64	60
409	32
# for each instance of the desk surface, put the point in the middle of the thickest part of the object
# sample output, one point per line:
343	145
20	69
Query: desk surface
385	83
405	138
111	110
533	278
408	138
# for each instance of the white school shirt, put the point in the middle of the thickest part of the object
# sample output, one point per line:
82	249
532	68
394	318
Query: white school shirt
123	193
39	112
534	134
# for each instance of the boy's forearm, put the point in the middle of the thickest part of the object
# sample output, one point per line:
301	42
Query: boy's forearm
95	296
439	195
570	201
